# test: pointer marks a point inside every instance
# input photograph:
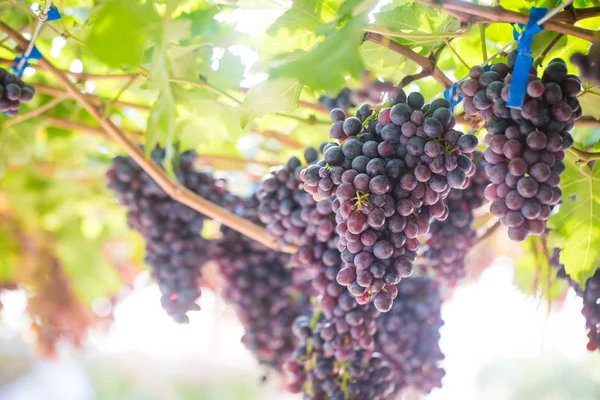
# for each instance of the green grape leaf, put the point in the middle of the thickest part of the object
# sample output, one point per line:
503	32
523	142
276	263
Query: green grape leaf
119	31
400	18
271	97
340	48
229	74
161	121
191	130
296	28
305	17
417	19
576	227
590	100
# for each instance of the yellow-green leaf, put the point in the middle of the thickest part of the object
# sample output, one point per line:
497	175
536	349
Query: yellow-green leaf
271	97
577	224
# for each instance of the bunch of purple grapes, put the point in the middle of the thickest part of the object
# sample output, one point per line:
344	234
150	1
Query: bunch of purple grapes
590	296
260	286
13	92
589	64
525	147
286	209
175	251
451	240
408	335
316	372
390	175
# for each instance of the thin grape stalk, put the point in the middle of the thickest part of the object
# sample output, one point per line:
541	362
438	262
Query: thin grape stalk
13	92
175	250
390	174
450	241
345	331
589	64
260	285
591	300
525	147
408	335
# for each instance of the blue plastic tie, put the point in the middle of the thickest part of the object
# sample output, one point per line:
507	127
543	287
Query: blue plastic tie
450	94
520	75
34	55
53	14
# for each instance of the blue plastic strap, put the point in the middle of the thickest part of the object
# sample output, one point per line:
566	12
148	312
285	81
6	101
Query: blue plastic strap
523	63
15	68
450	94
34	55
53	14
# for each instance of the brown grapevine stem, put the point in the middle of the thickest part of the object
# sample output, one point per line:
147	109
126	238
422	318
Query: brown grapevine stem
94	130
38	111
201	159
174	190
424	62
97	101
485	14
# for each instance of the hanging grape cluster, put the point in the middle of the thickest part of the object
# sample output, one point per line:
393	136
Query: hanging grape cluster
525	147
175	250
259	284
13	92
450	241
390	174
408	335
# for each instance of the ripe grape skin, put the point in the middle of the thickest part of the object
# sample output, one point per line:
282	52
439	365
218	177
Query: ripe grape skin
530	141
408	335
13	92
383	184
174	249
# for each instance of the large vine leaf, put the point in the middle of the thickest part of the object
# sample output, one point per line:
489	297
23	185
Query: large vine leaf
417	19
119	31
590	100
271	97
229	73
576	227
161	122
340	48
296	28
